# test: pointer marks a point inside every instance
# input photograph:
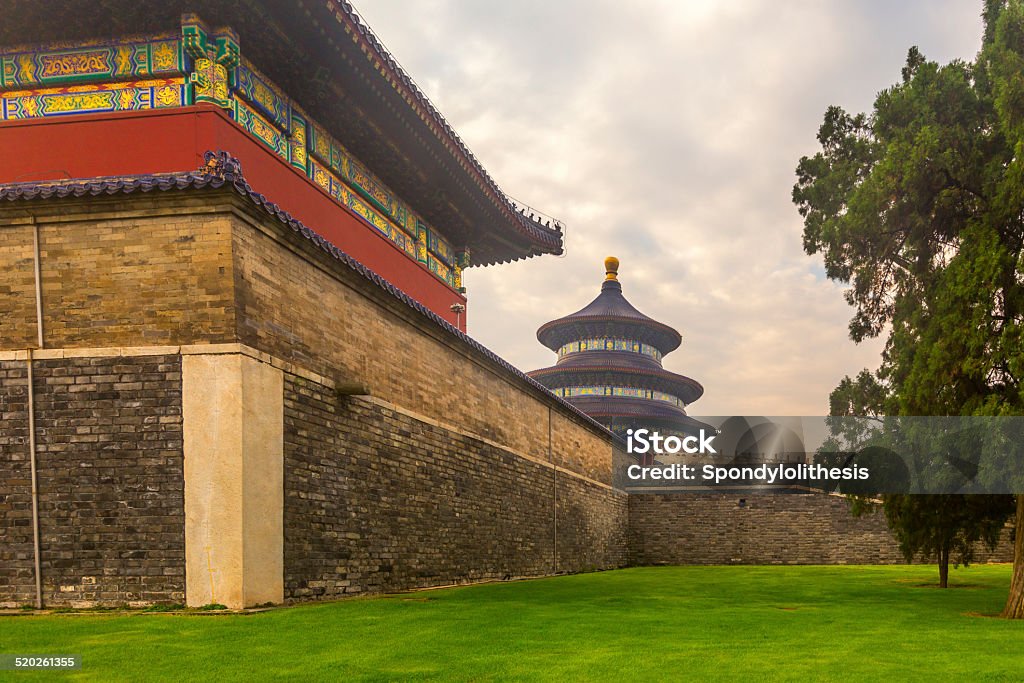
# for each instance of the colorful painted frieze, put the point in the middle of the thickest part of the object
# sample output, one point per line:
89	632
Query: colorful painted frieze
258	92
199	66
365	184
421	242
608	344
214	59
360	207
626	392
320	147
297	141
440	248
114	61
440	269
107	97
330	153
269	134
322	177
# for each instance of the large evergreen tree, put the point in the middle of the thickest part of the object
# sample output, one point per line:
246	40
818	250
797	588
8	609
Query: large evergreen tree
919	206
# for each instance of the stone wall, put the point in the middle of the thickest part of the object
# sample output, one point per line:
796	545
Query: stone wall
378	499
184	268
458	468
343	326
455	468
16	578
764	529
144	272
109	464
375	497
592	525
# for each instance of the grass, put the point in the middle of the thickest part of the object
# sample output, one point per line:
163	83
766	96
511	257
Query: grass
768	623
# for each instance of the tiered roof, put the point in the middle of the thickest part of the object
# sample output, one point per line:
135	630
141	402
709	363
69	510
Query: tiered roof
610	364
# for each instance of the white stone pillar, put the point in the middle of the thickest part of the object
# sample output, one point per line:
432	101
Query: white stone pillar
233	421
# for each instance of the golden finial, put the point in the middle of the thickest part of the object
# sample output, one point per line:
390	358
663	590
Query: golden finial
611	267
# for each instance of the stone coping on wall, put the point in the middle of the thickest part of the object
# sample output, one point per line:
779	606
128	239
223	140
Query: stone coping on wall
184	350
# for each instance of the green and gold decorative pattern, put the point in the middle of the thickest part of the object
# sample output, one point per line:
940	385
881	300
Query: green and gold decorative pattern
214	58
263	95
335	159
267	133
341	193
421	242
605	344
368	186
627	392
107	97
90	63
202	65
297	153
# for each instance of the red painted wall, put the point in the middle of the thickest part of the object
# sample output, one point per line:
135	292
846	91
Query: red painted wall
129	143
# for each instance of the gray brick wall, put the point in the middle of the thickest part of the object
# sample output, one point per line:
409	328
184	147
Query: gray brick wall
111	483
376	500
766	529
15	486
592	526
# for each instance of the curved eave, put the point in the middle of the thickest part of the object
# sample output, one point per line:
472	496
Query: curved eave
329	61
686	389
559	332
539	238
506	251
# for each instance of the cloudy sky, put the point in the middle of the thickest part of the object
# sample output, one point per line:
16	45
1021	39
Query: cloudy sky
666	133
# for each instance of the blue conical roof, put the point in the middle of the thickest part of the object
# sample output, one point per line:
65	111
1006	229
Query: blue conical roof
609	315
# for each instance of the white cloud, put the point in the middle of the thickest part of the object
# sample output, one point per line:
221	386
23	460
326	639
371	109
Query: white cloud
666	133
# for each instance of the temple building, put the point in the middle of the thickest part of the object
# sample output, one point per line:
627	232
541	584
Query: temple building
610	364
233	366
322	120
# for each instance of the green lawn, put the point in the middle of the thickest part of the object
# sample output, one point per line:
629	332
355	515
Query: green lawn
868	623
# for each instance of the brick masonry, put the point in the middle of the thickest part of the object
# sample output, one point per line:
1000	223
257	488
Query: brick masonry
183	268
109	463
16	579
780	529
455	469
187	269
592	527
114	273
378	500
375	499
350	332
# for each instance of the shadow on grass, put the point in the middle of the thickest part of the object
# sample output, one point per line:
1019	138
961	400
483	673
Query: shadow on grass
930	584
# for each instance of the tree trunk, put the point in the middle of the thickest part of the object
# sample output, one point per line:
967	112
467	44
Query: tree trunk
1015	603
944	568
